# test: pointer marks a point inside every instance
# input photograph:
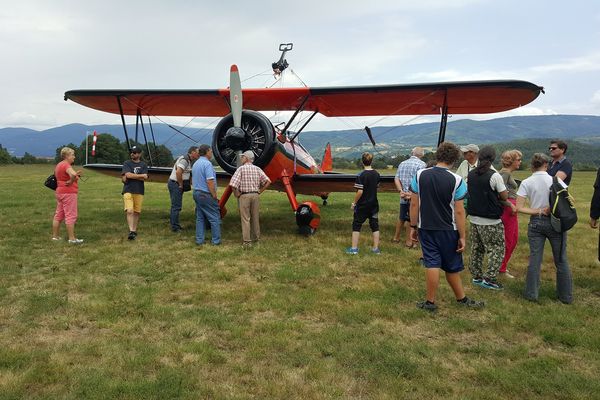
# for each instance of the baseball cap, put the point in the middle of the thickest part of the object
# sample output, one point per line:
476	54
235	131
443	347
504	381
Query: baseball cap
135	149
470	147
248	154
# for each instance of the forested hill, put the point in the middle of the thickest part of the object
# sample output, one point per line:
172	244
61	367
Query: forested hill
346	143
583	156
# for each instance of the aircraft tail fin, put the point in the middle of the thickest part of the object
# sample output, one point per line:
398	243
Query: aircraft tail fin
327	163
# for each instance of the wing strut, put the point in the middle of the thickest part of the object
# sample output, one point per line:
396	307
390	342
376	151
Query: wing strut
124	125
146	138
444	120
285	128
306	123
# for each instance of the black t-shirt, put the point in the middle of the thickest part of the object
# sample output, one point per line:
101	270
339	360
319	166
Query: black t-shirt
134	186
564	166
367	180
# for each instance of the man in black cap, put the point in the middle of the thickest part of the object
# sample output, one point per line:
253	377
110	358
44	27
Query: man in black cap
133	175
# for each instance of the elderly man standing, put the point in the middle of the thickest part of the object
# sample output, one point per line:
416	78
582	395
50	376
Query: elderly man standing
179	182
404	175
204	182
248	182
470	153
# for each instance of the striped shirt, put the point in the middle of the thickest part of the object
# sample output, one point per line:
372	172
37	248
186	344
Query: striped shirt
407	170
248	178
438	189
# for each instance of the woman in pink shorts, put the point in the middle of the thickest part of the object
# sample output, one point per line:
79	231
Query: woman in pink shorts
511	161
66	195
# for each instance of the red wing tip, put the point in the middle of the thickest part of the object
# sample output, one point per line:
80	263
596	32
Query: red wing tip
234	68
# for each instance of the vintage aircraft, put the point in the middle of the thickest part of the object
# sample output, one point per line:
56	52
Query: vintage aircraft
287	163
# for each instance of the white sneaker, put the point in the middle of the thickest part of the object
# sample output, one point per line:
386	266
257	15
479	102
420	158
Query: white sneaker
507	275
76	241
56	238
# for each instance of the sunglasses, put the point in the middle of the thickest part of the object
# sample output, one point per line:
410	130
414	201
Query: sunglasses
552	148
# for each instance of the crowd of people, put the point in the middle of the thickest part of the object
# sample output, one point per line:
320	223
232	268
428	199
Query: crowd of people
435	202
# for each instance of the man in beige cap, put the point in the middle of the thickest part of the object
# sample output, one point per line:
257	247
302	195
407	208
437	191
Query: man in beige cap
248	182
470	153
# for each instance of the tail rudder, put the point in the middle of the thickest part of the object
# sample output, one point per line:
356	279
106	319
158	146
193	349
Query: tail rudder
327	163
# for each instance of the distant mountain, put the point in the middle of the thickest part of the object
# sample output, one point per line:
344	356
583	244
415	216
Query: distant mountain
345	143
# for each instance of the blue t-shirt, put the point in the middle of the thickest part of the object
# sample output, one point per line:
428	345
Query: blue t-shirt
203	170
563	165
438	189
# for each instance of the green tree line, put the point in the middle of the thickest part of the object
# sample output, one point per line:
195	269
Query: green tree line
109	150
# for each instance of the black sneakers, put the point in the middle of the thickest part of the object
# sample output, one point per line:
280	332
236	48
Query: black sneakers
132	235
467	302
427	305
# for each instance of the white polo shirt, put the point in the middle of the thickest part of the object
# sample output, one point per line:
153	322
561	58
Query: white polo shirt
537	189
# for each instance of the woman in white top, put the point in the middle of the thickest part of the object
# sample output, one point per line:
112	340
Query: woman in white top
536	189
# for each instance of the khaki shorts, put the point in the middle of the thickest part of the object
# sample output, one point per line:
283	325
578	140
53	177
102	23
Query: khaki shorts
133	202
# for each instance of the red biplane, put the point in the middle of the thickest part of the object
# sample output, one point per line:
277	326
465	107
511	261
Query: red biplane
287	163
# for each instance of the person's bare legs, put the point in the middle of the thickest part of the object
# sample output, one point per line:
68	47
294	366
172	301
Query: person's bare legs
132	220
55	228
432	279
456	284
398	232
376	240
355	237
71	231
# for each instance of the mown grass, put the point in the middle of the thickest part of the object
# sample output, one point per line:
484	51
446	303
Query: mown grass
293	318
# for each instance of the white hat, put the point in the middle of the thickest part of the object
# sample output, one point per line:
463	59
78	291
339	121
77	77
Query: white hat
249	154
470	147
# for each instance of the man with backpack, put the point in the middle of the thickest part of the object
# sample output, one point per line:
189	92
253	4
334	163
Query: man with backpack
179	182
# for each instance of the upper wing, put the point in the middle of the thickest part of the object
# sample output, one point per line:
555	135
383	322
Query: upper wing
476	97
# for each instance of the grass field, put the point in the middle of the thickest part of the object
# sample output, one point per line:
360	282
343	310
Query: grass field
294	318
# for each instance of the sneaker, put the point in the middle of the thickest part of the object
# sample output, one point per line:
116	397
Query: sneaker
376	250
467	302
75	241
477	281
56	239
426	305
507	274
132	235
491	284
352	250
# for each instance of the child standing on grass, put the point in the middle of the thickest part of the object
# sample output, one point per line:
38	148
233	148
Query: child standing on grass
365	205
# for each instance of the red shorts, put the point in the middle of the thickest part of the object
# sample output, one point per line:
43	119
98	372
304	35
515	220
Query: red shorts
66	208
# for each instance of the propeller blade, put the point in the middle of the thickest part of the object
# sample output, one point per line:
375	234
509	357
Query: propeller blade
235	96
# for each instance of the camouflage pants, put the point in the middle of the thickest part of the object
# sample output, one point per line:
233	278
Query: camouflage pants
486	239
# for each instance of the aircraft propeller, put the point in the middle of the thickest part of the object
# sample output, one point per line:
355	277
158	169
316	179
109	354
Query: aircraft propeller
236	136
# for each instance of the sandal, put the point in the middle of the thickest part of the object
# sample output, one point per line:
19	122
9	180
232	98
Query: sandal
395	240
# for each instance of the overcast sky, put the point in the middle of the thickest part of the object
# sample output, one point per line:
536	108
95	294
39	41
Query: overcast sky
49	47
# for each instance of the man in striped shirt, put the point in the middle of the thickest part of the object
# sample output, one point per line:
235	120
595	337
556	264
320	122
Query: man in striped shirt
248	182
406	171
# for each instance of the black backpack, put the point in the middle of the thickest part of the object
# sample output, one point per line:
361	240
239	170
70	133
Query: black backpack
563	215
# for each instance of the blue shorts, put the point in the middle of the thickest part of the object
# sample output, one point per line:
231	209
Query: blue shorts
439	250
404	212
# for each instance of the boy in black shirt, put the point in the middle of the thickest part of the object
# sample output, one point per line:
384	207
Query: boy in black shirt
365	205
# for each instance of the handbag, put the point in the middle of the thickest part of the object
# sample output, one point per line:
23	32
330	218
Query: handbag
187	185
51	182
